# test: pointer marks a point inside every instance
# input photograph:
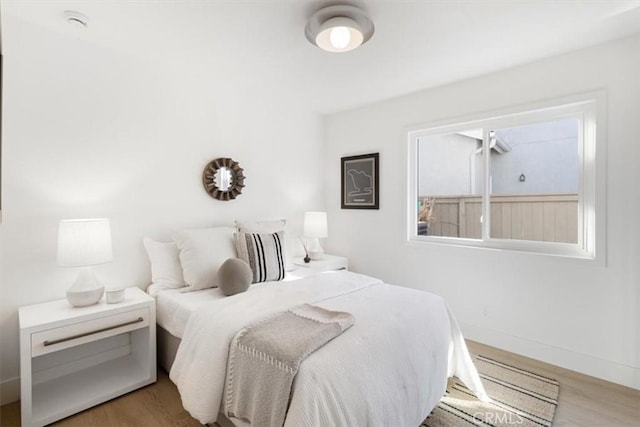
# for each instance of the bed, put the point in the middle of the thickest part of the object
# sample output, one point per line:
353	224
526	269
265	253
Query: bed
389	368
174	307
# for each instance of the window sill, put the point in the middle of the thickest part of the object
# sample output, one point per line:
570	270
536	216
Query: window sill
566	250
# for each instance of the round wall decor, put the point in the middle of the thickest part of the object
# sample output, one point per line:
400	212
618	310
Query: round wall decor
223	178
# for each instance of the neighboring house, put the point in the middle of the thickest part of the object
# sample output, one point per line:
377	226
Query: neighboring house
532	167
535	159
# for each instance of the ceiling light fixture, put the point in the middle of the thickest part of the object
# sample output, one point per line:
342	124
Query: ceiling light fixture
339	28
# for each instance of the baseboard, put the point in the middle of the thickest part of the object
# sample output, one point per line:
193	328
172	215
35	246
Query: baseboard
607	370
9	390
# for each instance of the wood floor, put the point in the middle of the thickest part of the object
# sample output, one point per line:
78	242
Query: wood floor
584	401
155	405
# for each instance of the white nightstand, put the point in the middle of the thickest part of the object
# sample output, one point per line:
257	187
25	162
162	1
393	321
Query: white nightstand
73	358
327	263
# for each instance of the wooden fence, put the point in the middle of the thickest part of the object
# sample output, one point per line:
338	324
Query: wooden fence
538	217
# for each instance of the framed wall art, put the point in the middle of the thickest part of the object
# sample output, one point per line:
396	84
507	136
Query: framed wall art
360	179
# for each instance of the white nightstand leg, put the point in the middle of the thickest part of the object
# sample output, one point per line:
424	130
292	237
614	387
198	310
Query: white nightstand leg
25	379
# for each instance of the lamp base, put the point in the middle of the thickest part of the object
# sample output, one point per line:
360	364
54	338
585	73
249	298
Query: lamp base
315	256
86	290
315	250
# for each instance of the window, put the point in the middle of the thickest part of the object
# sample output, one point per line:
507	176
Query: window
522	181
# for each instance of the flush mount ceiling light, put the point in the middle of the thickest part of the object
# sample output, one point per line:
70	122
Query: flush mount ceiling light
339	28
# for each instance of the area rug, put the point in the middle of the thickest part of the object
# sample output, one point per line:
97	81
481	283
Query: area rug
519	398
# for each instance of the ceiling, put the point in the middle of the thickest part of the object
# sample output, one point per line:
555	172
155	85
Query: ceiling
416	45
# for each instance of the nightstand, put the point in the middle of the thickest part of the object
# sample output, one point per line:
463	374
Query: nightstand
73	358
327	263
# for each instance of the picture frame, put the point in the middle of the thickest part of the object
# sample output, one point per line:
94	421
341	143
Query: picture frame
360	182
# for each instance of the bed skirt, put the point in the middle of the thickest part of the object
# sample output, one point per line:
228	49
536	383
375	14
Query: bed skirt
167	348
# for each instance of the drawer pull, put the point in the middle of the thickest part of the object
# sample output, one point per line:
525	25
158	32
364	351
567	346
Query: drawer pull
73	337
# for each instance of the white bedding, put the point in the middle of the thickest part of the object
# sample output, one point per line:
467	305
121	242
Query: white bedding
390	368
174	307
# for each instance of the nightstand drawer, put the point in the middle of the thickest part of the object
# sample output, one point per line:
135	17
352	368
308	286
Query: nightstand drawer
82	332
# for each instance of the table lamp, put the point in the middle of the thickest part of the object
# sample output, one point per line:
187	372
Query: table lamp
314	228
84	243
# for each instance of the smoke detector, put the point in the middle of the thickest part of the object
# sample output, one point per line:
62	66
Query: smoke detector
76	19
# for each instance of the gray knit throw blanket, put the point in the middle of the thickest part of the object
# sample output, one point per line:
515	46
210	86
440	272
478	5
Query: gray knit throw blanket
265	357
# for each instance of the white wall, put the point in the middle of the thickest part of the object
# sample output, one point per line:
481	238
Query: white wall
93	132
545	153
575	313
444	165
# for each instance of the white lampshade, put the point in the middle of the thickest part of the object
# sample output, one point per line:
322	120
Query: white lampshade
315	225
84	242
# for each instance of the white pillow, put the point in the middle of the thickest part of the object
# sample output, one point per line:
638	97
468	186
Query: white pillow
261	226
166	271
263	252
270	227
202	252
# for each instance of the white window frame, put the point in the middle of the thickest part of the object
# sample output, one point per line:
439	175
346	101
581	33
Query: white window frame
589	108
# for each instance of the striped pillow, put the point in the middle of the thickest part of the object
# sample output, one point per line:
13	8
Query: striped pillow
263	253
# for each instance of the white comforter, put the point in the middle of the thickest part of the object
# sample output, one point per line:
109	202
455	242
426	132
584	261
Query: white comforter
390	368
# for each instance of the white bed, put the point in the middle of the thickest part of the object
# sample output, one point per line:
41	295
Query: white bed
390	368
174	307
